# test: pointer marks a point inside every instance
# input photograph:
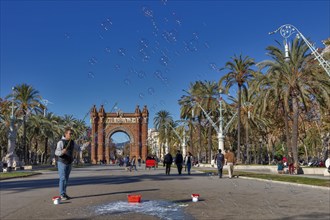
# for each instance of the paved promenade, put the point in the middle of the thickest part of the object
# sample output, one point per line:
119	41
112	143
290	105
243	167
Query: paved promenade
100	192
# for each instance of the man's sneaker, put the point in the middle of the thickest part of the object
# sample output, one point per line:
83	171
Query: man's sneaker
65	197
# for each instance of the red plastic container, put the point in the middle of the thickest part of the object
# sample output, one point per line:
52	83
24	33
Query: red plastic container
134	198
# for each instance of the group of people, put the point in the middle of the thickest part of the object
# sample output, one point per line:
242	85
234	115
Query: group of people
66	146
221	160
131	164
179	161
286	162
227	159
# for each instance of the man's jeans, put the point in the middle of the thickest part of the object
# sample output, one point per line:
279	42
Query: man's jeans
64	173
220	170
189	167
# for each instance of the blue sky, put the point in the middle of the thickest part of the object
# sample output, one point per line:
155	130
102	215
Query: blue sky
80	53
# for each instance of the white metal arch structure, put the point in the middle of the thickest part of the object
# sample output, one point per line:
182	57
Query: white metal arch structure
287	30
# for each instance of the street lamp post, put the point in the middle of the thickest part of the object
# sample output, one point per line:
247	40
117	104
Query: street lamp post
260	151
166	142
220	133
182	140
286	31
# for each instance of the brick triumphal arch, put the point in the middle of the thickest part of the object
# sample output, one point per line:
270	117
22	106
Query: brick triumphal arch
135	125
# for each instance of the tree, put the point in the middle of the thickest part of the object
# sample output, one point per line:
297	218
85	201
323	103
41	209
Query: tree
240	72
295	83
27	100
161	122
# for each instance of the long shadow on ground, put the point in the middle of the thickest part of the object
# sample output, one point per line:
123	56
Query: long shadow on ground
31	184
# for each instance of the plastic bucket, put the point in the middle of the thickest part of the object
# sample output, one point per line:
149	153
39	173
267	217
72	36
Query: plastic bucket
56	200
195	197
134	198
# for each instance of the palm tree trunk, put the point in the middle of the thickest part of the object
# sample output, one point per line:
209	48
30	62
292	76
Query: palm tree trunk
191	139
36	148
46	149
238	153
295	128
199	133
25	150
287	132
247	145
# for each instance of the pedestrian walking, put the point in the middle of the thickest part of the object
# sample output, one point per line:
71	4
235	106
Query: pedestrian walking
139	161
188	162
168	160
220	160
290	163
64	151
230	162
179	161
127	163
133	164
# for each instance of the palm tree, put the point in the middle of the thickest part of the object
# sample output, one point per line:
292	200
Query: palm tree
161	122
50	131
27	99
34	126
239	73
295	83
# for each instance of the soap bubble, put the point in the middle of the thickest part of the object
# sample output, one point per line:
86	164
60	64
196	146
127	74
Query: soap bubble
206	44
164	60
162	103
153	108
170	36
141	95
67	36
91	75
195	35
192	45
101	36
213	66
147	12
151	91
107	49
92	61
127	82
143	43
145	58
121	51
106	25
158	74
164	2
117	67
141	74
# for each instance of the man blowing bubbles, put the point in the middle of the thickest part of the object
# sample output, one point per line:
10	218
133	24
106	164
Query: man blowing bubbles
64	151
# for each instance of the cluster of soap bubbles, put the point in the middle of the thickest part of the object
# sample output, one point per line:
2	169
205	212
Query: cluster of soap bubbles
147	12
160	76
165	30
106	25
170	36
144	50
